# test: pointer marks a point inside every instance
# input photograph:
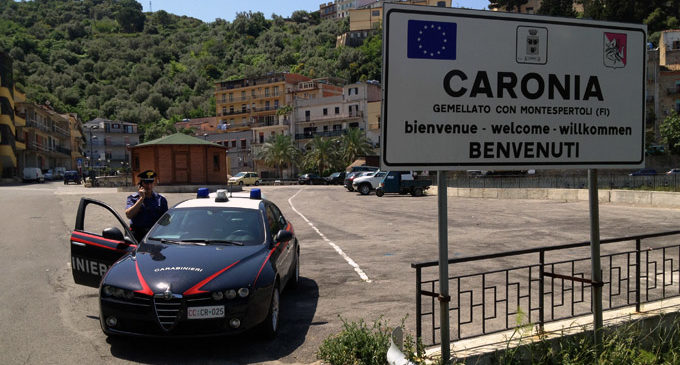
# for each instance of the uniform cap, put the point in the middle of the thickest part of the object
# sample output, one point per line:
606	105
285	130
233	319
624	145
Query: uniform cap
147	175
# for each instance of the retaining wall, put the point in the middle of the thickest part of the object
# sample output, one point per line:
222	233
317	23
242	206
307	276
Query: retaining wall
658	199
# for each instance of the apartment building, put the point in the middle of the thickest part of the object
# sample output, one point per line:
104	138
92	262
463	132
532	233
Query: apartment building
47	135
11	144
108	143
328	11
531	7
332	116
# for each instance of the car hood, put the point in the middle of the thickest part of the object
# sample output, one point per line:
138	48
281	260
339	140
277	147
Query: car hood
184	267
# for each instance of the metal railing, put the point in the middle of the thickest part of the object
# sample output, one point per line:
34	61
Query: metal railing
540	285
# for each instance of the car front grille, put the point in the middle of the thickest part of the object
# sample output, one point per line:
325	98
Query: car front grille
167	311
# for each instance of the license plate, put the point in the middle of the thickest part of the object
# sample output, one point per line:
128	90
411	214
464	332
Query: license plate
214	311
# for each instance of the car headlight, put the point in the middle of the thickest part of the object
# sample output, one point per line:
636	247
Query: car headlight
243	292
112	291
230	294
218	295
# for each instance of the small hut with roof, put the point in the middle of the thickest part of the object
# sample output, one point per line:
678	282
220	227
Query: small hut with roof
180	159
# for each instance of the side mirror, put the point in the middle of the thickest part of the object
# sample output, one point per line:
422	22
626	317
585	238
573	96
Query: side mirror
283	236
113	233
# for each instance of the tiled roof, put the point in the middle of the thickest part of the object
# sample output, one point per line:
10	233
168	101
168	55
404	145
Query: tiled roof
178	138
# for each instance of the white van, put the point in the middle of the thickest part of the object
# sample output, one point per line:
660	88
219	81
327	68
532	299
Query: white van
33	174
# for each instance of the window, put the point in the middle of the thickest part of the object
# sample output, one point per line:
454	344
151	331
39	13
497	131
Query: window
233	143
375	12
325	111
676	44
337	110
307	115
530	10
243	95
243	108
231	97
276	91
266	105
231	109
276	104
441	4
224	110
275	220
261	137
224	98
337	127
243	144
266	92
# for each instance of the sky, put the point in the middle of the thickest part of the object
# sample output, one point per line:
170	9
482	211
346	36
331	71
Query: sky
208	10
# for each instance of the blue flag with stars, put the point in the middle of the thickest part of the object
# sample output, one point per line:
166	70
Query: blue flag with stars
431	40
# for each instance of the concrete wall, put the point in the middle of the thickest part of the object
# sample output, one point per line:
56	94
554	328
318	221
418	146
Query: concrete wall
659	199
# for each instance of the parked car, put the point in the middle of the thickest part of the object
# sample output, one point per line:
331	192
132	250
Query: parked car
33	174
349	178
363	168
72	175
245	178
673	171
335	178
210	266
643	172
369	182
311	179
402	182
49	174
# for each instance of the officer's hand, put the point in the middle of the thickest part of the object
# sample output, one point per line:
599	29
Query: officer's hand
142	192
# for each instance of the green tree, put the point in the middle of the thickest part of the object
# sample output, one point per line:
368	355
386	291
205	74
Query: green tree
670	132
278	152
557	8
130	17
510	5
354	144
321	154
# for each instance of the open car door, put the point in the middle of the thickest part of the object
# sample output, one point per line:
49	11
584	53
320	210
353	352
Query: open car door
97	242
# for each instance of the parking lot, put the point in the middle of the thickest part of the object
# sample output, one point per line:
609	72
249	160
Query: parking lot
356	253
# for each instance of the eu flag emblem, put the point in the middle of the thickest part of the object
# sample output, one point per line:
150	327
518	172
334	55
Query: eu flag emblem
431	40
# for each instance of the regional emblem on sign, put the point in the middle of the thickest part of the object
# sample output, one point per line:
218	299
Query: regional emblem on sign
615	50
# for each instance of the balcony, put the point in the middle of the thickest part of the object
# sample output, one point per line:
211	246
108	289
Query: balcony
335	133
334	117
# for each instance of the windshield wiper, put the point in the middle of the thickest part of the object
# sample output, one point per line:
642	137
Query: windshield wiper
165	240
218	242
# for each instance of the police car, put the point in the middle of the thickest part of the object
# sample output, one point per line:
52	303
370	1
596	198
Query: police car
212	265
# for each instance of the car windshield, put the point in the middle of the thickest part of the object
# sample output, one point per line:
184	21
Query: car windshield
240	174
211	226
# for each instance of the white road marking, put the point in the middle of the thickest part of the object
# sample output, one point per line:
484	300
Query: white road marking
337	248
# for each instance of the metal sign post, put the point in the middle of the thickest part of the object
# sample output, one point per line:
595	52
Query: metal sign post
444	297
596	276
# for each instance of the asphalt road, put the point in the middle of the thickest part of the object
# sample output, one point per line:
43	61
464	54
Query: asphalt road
47	319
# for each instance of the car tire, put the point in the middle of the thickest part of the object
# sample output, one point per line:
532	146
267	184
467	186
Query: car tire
379	192
257	183
350	189
418	192
240	183
270	326
364	189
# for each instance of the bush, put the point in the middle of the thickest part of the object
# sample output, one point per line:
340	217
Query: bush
358	343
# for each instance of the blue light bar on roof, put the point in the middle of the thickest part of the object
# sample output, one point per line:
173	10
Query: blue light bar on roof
255	194
203	193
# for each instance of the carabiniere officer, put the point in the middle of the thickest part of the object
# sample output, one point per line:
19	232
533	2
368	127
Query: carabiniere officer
146	206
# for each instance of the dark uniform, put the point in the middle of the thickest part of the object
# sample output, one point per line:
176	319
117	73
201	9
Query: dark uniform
151	210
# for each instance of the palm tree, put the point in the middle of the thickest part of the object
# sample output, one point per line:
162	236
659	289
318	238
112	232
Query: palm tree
321	155
279	152
354	144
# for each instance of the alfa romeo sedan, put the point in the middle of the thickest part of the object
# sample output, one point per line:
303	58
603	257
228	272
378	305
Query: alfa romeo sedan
213	265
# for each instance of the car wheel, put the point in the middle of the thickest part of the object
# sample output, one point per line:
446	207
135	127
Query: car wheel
364	189
240	183
270	326
379	192
294	281
418	192
350	188
257	183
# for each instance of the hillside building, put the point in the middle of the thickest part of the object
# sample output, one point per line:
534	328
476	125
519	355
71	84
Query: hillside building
108	143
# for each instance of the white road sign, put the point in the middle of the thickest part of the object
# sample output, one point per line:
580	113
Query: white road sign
467	89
